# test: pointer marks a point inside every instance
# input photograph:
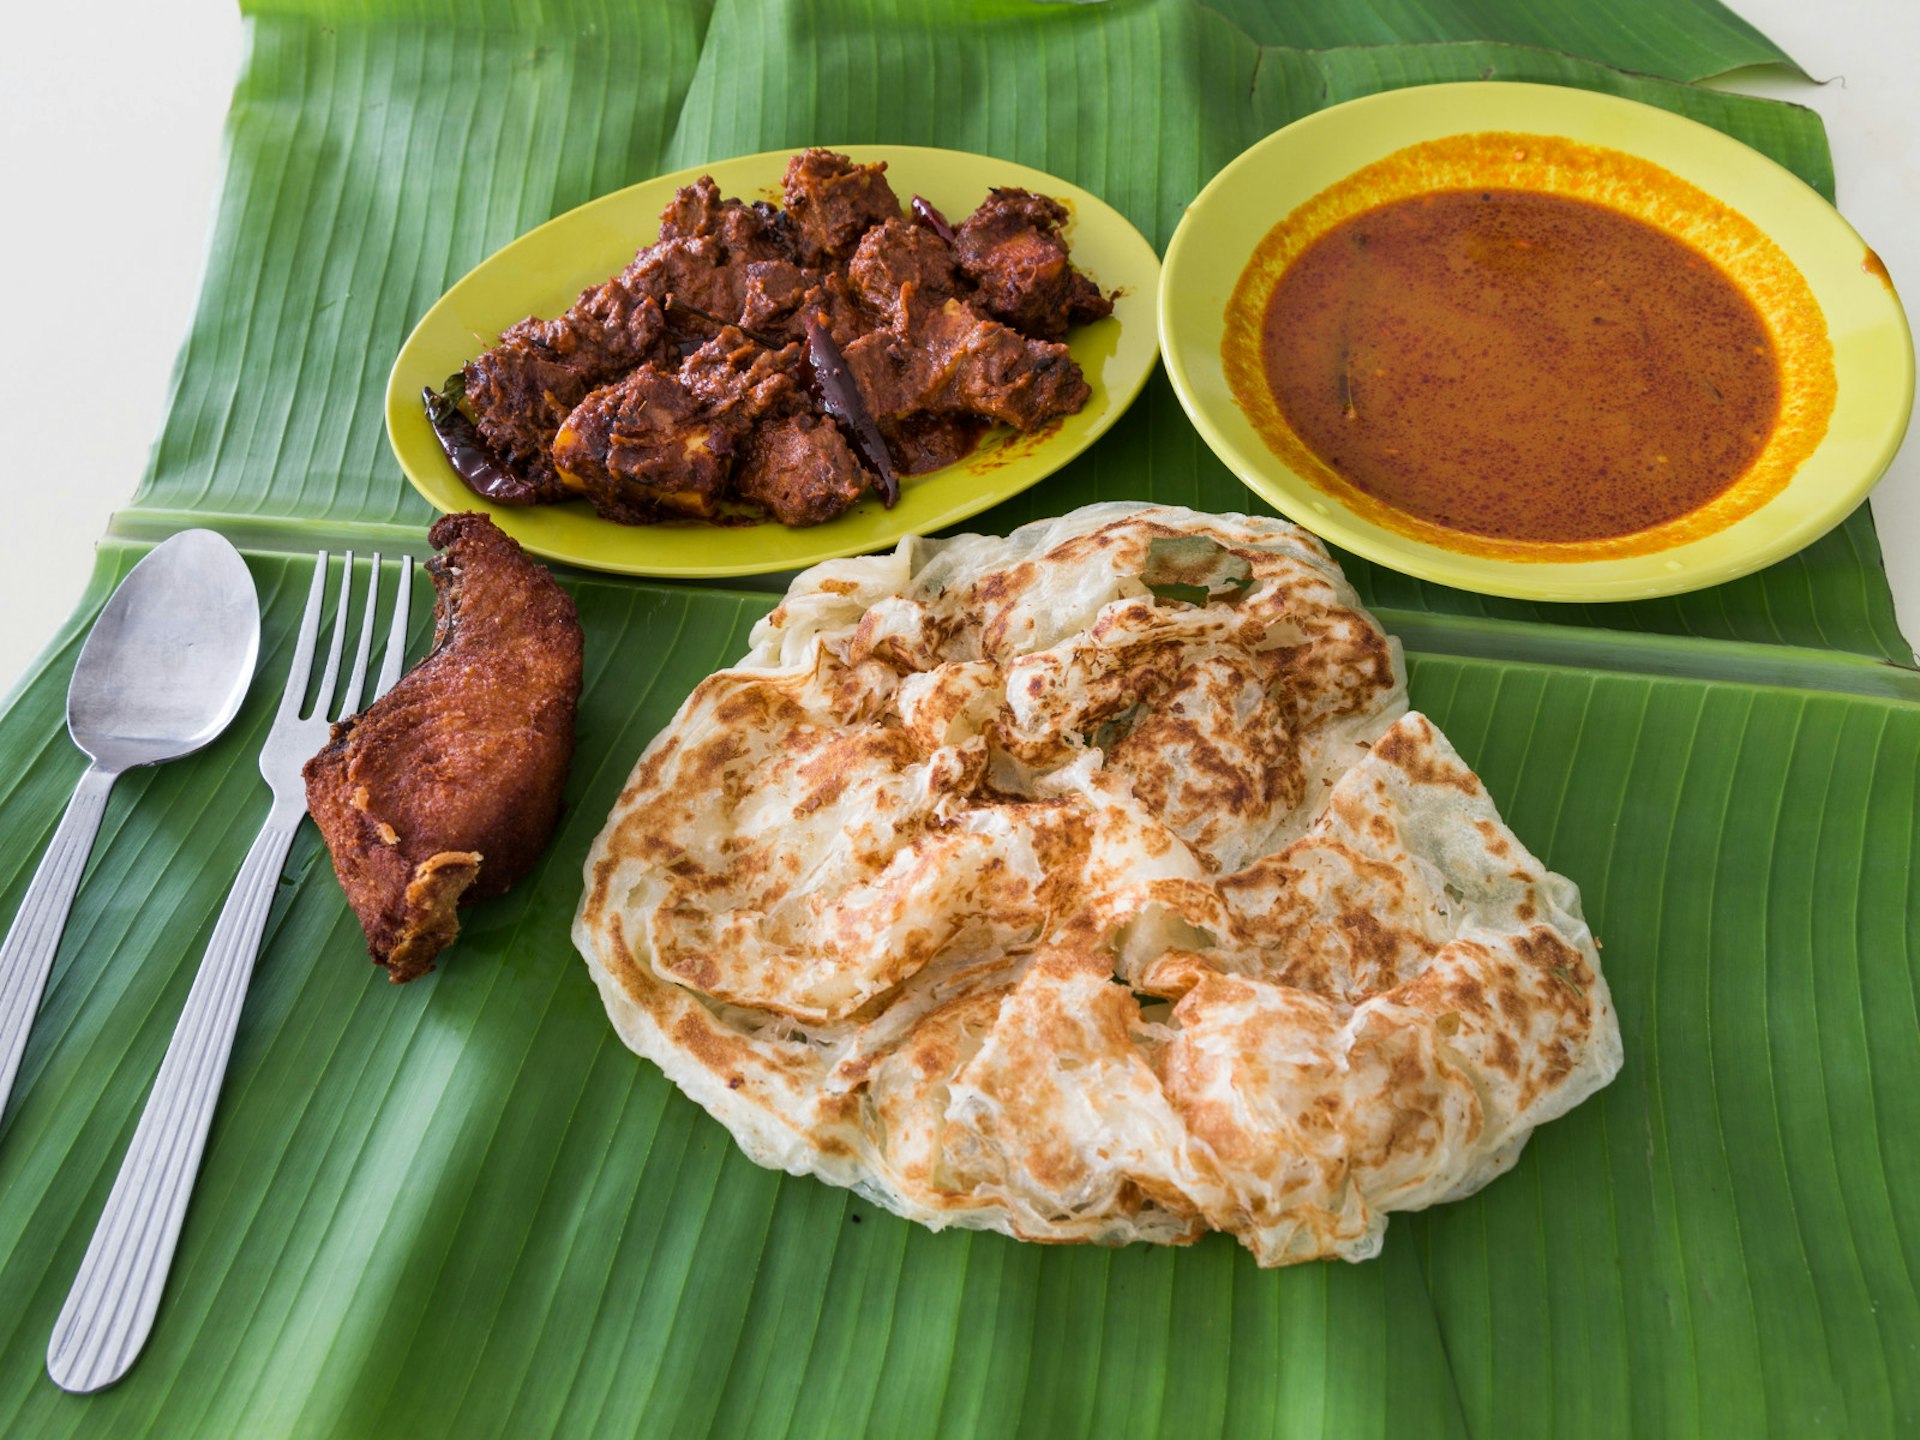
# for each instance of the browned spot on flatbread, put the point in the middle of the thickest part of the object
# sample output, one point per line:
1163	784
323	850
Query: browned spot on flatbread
1504	1055
1398	748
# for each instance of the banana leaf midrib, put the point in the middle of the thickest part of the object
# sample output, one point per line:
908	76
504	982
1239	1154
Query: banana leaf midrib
1680	657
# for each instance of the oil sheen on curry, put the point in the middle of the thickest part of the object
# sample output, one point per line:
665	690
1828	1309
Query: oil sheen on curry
1522	365
1480	343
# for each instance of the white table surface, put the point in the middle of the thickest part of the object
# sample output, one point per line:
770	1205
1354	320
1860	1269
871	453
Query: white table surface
110	152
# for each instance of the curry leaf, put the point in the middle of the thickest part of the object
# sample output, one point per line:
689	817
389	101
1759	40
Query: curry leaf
1110	730
1194	570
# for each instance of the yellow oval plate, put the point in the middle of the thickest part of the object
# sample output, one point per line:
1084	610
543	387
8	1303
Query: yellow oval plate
1872	350
544	270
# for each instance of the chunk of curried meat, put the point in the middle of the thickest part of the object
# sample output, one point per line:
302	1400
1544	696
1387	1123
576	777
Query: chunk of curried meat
522	389
832	202
953	360
781	295
695	269
801	470
919	443
1012	249
742	382
774	291
647	449
445	790
833	303
746	232
898	266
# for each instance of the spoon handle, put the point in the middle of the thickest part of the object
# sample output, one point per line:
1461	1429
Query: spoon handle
110	1309
26	956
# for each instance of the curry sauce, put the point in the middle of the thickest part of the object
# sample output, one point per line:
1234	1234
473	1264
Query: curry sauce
1521	365
1529	389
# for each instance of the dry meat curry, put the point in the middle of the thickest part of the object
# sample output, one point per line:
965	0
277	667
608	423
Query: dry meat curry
780	361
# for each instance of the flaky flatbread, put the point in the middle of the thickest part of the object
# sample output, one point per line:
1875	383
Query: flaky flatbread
1015	894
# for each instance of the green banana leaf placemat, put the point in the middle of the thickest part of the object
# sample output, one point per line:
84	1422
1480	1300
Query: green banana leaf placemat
462	1207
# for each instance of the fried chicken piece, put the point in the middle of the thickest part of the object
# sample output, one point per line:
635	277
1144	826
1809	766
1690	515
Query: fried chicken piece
1011	248
648	449
831	203
802	470
445	790
953	360
522	389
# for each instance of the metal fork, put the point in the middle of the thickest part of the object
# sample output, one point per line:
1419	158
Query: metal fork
110	1310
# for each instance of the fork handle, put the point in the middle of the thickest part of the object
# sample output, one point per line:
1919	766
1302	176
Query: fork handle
109	1312
26	956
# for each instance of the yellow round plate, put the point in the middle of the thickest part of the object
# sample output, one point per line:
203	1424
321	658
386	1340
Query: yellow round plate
1872	351
542	272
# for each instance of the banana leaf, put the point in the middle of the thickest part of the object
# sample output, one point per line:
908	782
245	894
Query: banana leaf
462	1207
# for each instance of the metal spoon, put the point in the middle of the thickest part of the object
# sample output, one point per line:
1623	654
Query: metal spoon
162	673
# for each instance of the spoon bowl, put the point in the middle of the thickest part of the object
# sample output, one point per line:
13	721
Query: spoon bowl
169	660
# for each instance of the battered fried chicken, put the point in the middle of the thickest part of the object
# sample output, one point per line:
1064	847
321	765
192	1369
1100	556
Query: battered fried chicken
445	790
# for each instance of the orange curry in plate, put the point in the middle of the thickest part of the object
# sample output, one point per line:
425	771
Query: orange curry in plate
1522	346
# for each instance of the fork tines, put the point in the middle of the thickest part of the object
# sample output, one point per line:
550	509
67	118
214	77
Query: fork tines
394	657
